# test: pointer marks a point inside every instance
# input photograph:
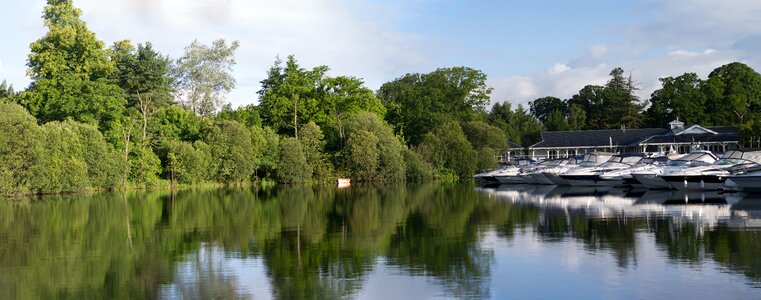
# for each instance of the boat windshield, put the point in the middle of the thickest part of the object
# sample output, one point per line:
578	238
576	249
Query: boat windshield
677	163
730	161
587	164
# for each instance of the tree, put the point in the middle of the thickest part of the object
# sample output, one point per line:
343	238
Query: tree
70	72
143	75
622	107
556	122
313	145
542	108
289	95
577	117
203	75
186	162
6	91
293	166
448	150
362	155
344	96
592	101
247	115
679	97
231	152
417	103
390	148
20	148
733	93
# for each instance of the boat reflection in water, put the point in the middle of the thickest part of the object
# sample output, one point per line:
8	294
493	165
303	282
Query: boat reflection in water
706	209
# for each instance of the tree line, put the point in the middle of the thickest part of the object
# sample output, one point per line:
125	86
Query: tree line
104	117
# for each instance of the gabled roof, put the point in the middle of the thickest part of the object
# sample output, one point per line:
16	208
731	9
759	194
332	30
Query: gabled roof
596	138
514	145
696	129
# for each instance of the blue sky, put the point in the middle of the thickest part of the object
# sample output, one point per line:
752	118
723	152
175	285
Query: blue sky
529	49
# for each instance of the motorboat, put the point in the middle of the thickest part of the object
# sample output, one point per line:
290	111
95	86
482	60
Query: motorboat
750	180
714	176
623	176
532	174
585	173
512	173
650	178
562	165
489	177
591	176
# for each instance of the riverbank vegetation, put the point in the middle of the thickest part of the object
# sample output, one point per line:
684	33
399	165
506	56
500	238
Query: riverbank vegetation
99	117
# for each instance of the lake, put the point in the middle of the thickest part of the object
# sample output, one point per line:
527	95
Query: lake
383	242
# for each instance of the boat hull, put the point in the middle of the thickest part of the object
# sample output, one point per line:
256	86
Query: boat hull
652	181
748	183
695	182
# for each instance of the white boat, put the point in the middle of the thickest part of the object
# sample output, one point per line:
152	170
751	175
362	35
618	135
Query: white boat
749	181
540	176
532	174
623	177
613	171
650	178
714	176
584	174
511	173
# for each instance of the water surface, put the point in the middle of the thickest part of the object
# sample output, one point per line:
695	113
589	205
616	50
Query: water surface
386	242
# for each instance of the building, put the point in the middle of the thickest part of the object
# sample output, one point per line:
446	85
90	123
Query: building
648	141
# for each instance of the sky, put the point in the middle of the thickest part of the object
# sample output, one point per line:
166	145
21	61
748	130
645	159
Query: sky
528	49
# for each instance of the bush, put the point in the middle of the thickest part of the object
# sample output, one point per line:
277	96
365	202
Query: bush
63	167
312	140
390	165
417	169
446	147
362	155
293	166
20	148
187	163
232	156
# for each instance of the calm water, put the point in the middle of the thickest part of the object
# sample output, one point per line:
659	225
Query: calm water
391	242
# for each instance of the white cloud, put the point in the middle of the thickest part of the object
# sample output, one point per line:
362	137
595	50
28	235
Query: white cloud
322	32
558	68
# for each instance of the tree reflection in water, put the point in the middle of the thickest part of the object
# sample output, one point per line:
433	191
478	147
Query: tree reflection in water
319	242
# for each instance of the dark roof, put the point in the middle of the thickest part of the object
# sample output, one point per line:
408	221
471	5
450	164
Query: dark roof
596	138
631	137
514	145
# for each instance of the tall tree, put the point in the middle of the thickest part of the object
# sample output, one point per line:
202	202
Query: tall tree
289	95
679	97
733	93
622	106
203	75
70	71
577	117
143	75
542	108
591	99
417	103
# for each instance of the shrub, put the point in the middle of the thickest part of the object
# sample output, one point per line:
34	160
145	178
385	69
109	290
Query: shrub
232	157
293	166
20	148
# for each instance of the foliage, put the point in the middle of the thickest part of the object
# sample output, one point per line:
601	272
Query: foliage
267	144
577	117
232	156
679	97
556	122
417	169
70	71
20	148
293	166
176	123
247	115
313	143
203	75
417	103
390	165
187	163
446	147
362	155
542	108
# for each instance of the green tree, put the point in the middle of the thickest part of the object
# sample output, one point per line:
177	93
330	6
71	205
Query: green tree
186	162
733	93
417	103
447	149
591	99
247	115
176	123
70	71
362	155
313	143
390	166
679	97
577	117
232	154
622	106
293	166
203	75
288	95
543	107
556	121
21	148
6	91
